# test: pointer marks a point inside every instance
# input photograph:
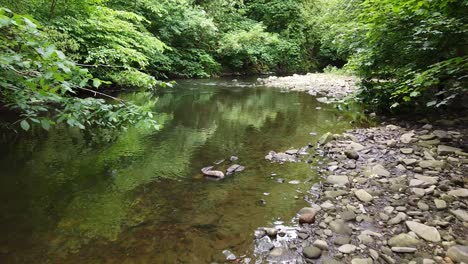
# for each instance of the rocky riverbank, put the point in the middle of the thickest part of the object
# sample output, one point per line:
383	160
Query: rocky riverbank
333	87
389	194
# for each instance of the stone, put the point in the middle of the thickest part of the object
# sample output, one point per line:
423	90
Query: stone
340	180
330	261
348	215
374	254
312	252
440	204
327	205
334	194
363	196
325	138
271	231
347	248
406	150
418	191
403	249
403	240
264	245
380	170
407	138
351	154
355	146
445	150
459	193
428	180
409	162
425	164
365	239
423	206
428	233
442	135
427	137
291	151
400	217
458	253
229	255
362	261
308	210
307	218
341	240
338	226
322	244
462	215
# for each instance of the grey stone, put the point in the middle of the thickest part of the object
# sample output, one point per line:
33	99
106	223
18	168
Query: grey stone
312	252
459	193
427	137
440	204
403	240
404	249
338	180
229	255
347	248
406	150
409	162
445	150
362	261
407	138
308	210
400	217
458	253
363	196
348	215
423	206
322	244
428	233
462	215
425	164
341	240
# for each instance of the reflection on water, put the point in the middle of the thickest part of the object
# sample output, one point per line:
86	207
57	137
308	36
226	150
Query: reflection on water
142	199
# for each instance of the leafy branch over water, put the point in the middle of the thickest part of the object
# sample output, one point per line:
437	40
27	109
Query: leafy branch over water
41	84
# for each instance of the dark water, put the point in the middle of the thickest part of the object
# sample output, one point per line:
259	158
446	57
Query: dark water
142	198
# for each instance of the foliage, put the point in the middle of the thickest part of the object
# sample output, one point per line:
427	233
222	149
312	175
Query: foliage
250	50
41	84
412	52
113	40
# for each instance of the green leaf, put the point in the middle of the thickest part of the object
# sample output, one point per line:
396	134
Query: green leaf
25	125
45	124
96	82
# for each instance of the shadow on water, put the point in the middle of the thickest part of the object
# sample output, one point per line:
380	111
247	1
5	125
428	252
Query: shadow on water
142	198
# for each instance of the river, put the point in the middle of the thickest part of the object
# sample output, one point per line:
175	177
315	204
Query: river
142	198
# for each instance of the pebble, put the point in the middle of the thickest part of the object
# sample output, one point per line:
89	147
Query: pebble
458	253
404	249
347	248
363	196
312	252
428	233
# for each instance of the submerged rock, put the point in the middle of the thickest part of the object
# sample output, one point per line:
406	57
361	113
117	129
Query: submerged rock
212	173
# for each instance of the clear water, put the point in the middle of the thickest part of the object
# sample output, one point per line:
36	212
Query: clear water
142	198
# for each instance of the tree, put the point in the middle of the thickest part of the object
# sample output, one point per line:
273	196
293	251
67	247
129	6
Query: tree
39	83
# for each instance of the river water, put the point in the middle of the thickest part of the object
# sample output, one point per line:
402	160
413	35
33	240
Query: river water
142	198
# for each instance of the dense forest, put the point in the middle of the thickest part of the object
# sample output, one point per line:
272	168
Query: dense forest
55	53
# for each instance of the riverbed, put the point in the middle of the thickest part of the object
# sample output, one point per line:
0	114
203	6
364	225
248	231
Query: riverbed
142	199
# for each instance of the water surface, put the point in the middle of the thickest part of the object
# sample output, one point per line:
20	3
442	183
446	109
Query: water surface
141	198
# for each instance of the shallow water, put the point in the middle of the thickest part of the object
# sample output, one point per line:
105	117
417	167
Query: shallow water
142	199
